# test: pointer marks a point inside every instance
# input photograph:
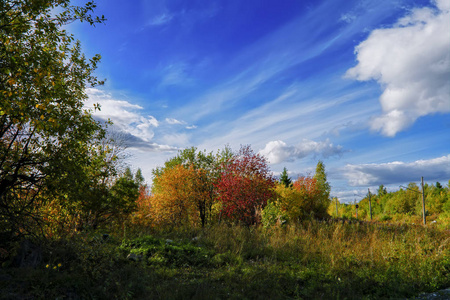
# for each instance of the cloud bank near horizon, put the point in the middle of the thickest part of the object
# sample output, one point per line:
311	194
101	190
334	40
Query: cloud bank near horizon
436	169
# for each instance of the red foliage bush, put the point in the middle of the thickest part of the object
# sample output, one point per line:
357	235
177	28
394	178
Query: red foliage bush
244	187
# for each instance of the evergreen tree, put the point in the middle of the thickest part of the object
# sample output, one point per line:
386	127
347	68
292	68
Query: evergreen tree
127	174
139	178
284	178
381	190
321	177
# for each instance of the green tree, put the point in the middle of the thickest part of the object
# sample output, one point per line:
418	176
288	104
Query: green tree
43	125
284	178
381	190
324	187
405	201
128	174
122	197
140	180
85	187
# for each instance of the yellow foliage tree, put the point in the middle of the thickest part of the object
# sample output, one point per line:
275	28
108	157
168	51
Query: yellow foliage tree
179	197
295	203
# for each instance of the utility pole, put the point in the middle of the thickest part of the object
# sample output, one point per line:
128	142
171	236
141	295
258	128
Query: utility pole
370	206
423	204
423	200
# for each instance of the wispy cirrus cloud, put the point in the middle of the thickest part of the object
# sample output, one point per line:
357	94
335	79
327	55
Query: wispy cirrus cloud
175	74
411	62
290	117
173	121
161	19
179	140
188	17
261	65
398	172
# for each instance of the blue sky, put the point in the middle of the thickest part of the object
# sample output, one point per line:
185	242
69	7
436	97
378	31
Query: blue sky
362	85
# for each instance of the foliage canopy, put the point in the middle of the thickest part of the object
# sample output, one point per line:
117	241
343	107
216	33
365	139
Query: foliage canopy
45	131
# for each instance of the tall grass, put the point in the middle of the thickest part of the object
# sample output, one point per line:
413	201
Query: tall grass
351	260
328	260
324	259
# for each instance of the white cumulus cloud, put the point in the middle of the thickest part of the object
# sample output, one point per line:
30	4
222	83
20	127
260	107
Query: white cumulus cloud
123	114
411	62
398	172
136	128
278	151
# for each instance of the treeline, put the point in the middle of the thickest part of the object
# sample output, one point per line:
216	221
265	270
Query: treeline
196	188
402	205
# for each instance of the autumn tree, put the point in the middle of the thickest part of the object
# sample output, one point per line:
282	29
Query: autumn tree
143	214
300	201
43	124
207	171
309	198
284	207
245	186
176	193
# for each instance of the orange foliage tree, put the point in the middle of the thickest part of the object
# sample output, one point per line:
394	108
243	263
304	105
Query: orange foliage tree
180	196
204	174
142	215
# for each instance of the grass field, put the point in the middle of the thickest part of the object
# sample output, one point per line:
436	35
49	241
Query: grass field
315	260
